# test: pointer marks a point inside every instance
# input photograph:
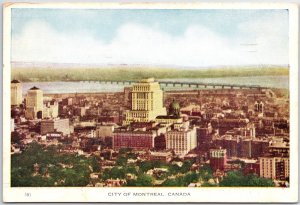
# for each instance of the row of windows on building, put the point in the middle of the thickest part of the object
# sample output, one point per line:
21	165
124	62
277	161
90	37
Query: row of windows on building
141	88
126	137
141	95
132	143
140	115
142	105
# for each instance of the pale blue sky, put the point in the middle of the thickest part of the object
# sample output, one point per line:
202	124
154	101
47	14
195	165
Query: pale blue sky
231	29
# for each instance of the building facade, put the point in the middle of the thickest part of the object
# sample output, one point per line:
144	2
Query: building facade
55	125
12	125
105	130
259	106
167	119
146	102
15	92
274	167
217	159
138	140
34	103
181	141
50	109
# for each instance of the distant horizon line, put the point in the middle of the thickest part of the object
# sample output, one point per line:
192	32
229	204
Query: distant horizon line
18	64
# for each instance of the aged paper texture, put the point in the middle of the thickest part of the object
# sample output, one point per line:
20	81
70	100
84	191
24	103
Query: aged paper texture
150	102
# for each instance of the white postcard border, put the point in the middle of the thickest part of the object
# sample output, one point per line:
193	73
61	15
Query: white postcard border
91	194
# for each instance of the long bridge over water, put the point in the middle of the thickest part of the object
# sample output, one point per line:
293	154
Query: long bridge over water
185	84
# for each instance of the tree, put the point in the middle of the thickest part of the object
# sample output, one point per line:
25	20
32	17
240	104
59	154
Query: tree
206	184
115	173
131	169
233	178
236	178
22	167
145	166
174	169
144	180
205	172
121	161
125	150
189	178
255	181
170	182
131	155
95	164
186	166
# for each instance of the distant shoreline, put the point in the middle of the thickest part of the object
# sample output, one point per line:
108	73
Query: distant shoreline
136	73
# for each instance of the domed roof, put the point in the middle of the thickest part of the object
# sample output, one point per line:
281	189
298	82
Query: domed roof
174	108
15	81
175	105
34	88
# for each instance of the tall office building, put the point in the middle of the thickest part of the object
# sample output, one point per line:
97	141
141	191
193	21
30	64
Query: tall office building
274	167
217	158
146	102
16	92
34	103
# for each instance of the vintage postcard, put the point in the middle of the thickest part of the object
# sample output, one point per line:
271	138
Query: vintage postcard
156	102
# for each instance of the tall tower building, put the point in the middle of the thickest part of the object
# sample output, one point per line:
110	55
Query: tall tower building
217	158
146	102
16	92
259	106
34	103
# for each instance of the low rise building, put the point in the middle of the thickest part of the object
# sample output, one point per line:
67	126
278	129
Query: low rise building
138	140
50	109
55	125
164	156
105	130
181	141
168	119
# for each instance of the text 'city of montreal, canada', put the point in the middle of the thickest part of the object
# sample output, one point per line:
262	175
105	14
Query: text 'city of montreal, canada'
162	194
151	194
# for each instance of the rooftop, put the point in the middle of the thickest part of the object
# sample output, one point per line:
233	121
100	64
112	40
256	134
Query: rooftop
34	88
167	117
15	81
147	80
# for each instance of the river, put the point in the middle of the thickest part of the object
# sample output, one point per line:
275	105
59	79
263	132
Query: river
93	87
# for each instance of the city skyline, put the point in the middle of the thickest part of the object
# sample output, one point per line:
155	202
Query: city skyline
145	136
150	102
192	38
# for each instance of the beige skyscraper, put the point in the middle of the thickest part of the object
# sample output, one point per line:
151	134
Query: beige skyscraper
146	102
34	103
16	92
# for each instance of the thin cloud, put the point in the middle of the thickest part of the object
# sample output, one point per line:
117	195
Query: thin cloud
138	44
